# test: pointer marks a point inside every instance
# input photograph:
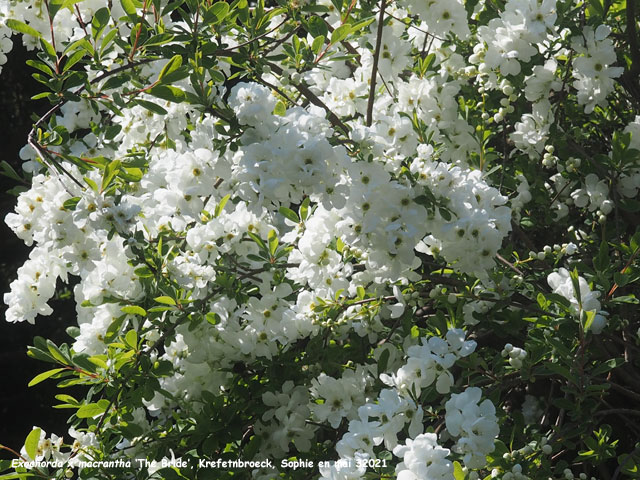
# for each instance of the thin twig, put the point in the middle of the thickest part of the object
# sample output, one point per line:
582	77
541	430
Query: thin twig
374	69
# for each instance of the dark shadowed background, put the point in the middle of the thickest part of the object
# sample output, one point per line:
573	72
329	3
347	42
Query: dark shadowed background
22	407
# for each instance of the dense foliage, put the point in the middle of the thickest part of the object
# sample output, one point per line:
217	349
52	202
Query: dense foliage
337	240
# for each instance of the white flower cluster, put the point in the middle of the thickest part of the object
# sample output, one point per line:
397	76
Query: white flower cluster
6	44
339	397
516	355
285	422
430	362
475	424
592	69
441	17
53	448
584	300
510	39
423	458
480	220
391	411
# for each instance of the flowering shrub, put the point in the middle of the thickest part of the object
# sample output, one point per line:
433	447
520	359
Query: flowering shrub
303	238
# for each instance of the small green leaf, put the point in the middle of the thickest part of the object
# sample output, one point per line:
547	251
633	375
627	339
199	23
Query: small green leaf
258	240
129	8
589	317
44	375
152	107
67	398
8	171
169	93
213	318
383	361
340	33
361	25
317	27
289	214
56	353
21	27
165	300
99	361
272	237
31	443
280	109
304	209
131	339
71	203
134	310
458	473
220	10
220	206
621	279
360	292
171	66
109	174
91	410
317	44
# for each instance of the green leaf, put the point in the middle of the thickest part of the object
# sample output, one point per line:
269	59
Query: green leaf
169	93
73	59
317	27
131	339
280	109
67	398
220	206
101	17
44	375
56	353
575	280
289	214
317	44
458	473
109	174
213	318
8	171
171	66
220	10
606	366
21	27
99	361
362	24
304	209
621	278
134	310
31	443
340	33
165	300
272	237
92	409
130	9
589	317
360	292
383	361
152	107
258	240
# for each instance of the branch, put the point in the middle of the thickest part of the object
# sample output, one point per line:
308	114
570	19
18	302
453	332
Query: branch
31	137
313	98
374	69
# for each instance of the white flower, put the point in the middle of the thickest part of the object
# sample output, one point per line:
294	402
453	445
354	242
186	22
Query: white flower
474	423
561	284
423	459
